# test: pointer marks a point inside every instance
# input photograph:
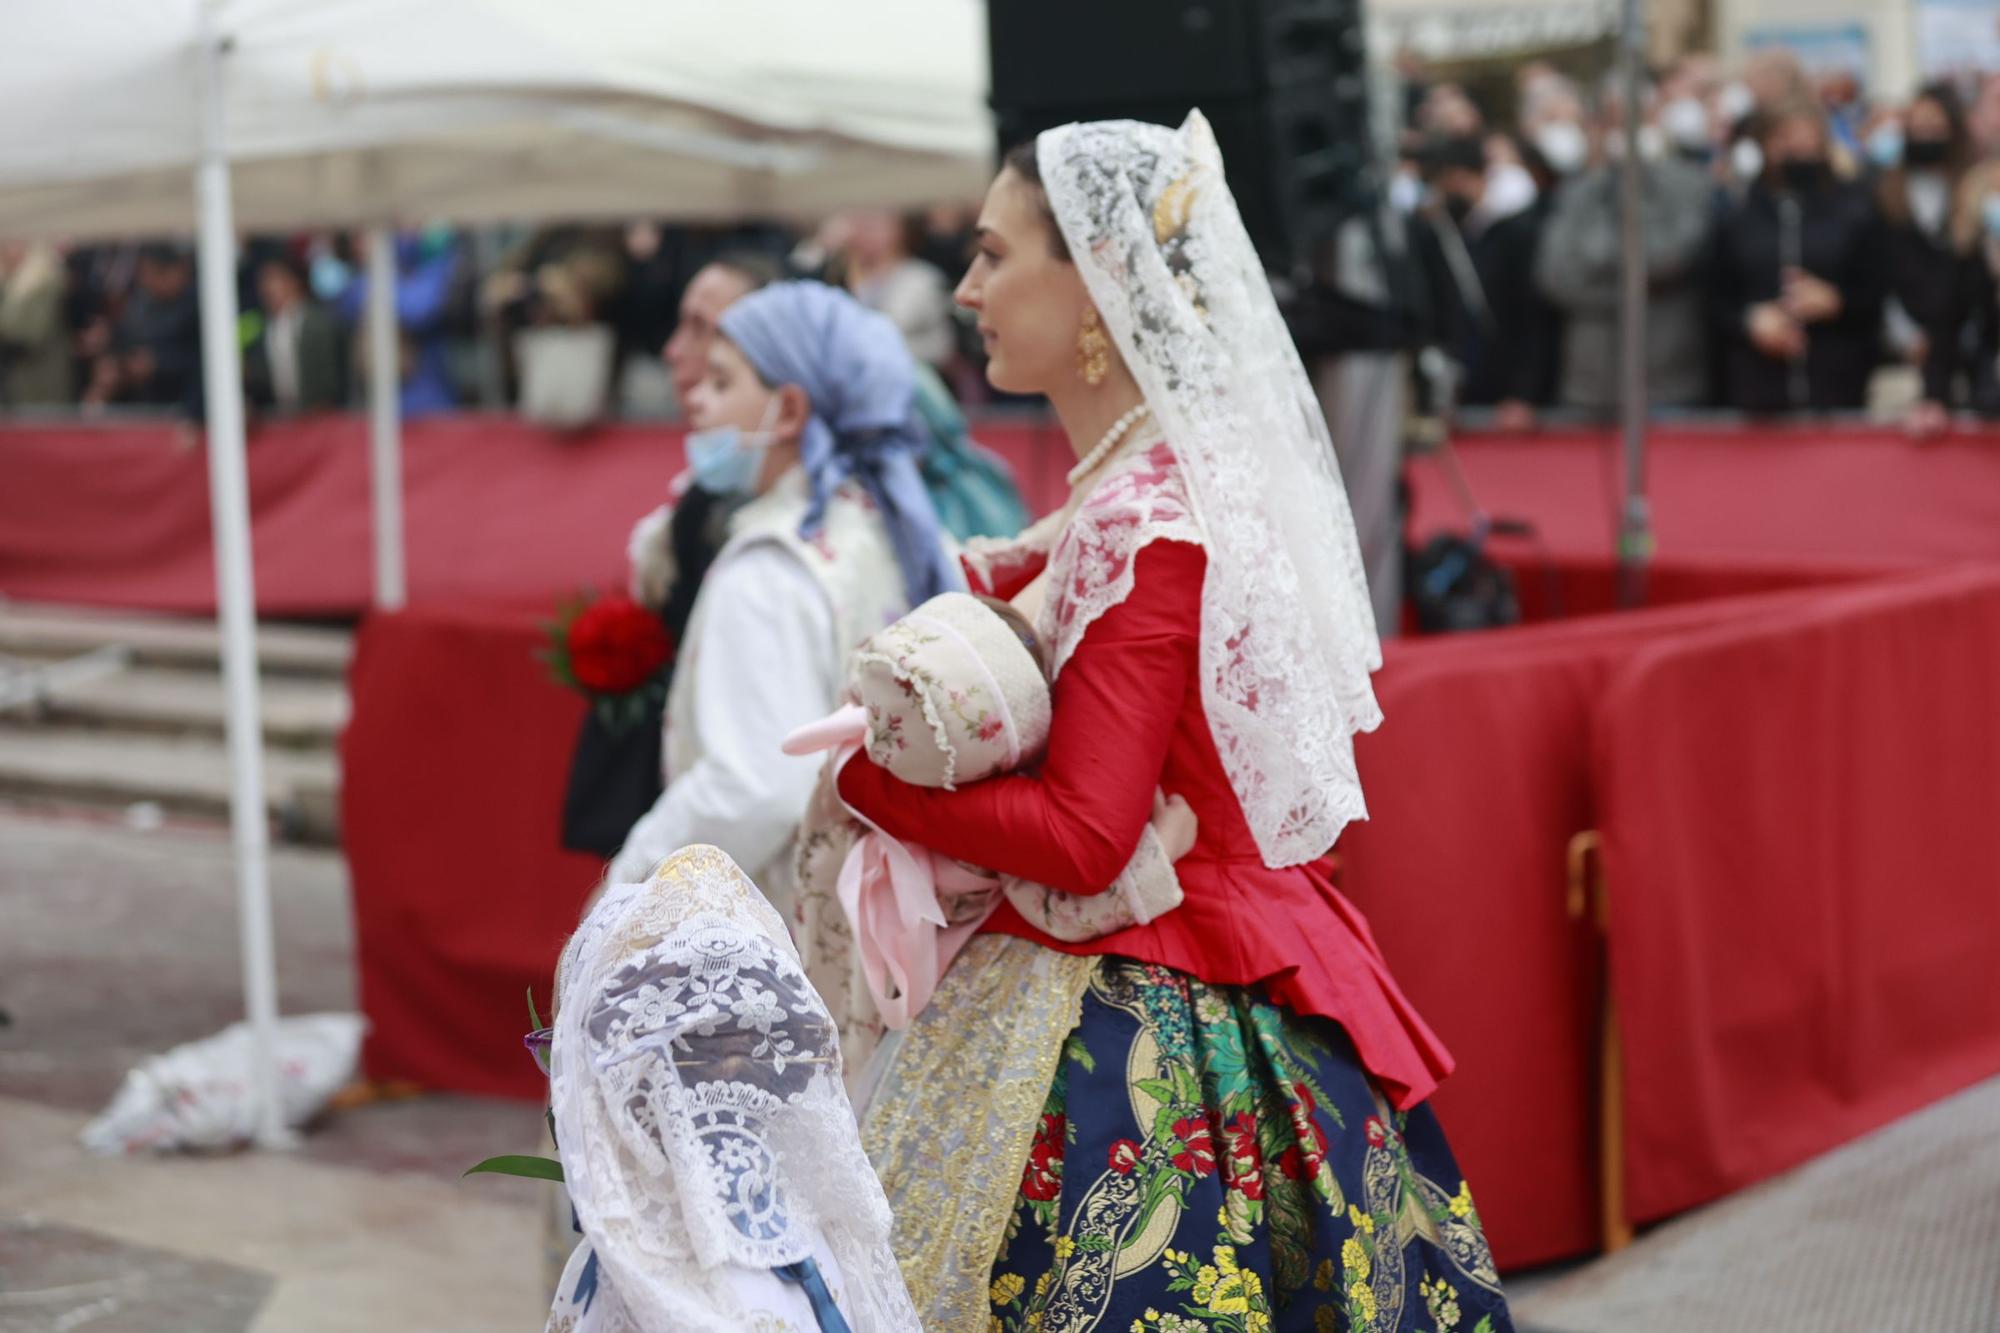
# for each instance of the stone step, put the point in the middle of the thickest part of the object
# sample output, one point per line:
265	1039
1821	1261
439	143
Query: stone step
297	711
54	632
184	775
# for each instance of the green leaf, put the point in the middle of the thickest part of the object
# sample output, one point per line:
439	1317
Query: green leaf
534	1168
534	1019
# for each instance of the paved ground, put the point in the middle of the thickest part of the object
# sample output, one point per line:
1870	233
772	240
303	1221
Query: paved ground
1899	1230
115	944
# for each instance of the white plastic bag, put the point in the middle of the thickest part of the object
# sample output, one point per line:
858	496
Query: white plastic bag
203	1096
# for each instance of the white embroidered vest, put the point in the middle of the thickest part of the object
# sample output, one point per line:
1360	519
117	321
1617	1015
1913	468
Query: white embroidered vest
855	566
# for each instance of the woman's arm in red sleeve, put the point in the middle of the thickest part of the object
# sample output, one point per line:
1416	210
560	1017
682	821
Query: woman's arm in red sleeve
1075	824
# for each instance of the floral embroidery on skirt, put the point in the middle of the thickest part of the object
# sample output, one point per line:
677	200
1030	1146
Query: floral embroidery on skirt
1208	1162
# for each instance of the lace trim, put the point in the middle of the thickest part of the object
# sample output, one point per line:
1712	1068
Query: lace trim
1141	500
1145	889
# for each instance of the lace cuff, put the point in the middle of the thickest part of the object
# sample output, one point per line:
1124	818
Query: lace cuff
1146	888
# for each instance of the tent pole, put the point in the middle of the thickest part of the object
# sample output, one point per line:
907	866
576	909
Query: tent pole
229	507
385	427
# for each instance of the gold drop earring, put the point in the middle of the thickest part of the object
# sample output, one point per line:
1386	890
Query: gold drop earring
1093	350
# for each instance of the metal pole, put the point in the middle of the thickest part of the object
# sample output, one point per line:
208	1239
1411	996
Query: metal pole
229	508
385	427
1635	527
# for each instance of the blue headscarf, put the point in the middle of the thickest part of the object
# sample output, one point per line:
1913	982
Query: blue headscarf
865	427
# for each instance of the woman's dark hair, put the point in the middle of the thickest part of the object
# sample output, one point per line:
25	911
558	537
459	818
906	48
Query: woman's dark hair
1021	160
1946	99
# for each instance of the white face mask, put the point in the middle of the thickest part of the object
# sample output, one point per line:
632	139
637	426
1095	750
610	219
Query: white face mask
1746	160
1509	189
1734	102
1564	146
1406	193
1685	121
727	460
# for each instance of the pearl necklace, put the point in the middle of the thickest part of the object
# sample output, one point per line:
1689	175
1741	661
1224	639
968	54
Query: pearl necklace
1119	428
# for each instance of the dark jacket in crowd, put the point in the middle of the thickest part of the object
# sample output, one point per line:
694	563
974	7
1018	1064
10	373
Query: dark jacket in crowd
319	357
1983	334
1580	269
1484	307
168	330
1935	284
1840	239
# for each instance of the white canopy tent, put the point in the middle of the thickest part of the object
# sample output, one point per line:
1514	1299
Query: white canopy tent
320	113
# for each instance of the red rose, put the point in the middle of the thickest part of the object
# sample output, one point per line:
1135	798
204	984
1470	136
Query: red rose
1197	1154
1124	1156
615	646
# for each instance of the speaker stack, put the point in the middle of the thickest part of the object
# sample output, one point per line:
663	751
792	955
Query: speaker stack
1283	82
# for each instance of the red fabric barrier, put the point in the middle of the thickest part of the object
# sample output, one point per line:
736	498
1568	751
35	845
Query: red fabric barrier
1476	781
453	769
496	511
501	511
1735	511
1803	867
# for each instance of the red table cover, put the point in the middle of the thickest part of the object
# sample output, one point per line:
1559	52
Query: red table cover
453	771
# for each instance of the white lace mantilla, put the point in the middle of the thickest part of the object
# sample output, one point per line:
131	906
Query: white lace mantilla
696	1083
1287	635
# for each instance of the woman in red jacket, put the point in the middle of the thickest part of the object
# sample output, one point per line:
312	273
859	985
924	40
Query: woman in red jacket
1215	1120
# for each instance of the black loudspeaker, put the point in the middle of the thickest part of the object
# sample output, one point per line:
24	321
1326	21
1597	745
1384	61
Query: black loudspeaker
1283	82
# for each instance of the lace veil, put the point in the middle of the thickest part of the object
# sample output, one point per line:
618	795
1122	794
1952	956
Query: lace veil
696	1084
1287	635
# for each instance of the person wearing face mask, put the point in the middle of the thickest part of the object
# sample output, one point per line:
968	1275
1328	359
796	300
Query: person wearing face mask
1799	278
1478	270
1688	129
1564	145
808	414
1930	289
1579	268
614	772
1975	232
1552	126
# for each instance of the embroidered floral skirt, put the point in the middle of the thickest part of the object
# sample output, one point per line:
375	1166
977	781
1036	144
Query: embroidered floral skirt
1208	1162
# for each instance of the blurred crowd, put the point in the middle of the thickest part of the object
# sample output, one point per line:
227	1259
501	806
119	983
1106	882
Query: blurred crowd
566	323
1806	248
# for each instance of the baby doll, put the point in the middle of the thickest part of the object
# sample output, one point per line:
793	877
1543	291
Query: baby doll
954	692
